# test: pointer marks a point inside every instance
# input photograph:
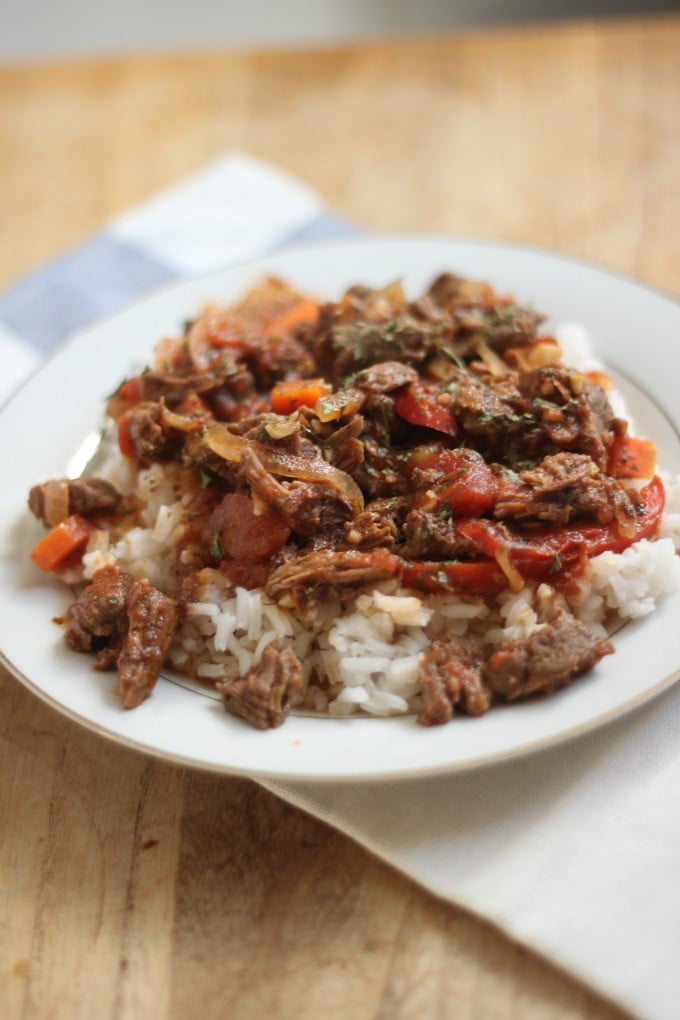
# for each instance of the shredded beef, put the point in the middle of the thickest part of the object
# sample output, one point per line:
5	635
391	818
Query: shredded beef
330	568
432	536
98	614
550	658
129	624
306	507
152	622
584	423
379	524
343	447
561	487
450	678
263	695
149	437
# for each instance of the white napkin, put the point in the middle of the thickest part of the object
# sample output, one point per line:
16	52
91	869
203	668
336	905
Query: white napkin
574	851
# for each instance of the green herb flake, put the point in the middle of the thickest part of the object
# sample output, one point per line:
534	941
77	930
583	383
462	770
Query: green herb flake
556	565
206	479
216	545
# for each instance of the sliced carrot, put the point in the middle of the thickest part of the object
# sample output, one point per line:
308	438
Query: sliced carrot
289	396
54	551
632	458
303	313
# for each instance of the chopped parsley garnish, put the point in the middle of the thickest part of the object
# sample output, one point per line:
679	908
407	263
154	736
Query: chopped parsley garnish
216	545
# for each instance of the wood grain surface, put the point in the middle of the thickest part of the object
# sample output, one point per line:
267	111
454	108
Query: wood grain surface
130	887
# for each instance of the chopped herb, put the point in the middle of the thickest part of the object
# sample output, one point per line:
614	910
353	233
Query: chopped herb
446	352
556	565
206	479
216	545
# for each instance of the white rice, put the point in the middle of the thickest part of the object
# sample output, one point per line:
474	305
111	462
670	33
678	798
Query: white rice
366	657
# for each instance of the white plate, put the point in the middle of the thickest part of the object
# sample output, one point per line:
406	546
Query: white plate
634	329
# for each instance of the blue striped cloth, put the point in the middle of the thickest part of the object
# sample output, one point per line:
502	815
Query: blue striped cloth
238	208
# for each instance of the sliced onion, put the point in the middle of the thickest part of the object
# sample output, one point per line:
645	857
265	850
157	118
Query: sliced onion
181	422
335	405
200	351
492	362
288	465
56	502
512	574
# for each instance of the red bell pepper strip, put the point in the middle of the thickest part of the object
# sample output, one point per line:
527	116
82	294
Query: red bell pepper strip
631	458
417	404
482	578
540	553
467	485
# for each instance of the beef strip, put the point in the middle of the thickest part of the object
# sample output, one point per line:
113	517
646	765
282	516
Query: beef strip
328	567
500	326
379	524
306	507
129	623
488	409
450	678
263	695
174	387
344	449
98	616
584	423
152	622
271	359
150	439
550	658
381	472
561	487
432	535
345	347
85	495
524	416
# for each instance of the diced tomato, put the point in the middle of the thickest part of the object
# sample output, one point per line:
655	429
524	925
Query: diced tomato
62	544
417	404
245	575
289	396
237	533
631	458
544	552
467	485
125	444
480	578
